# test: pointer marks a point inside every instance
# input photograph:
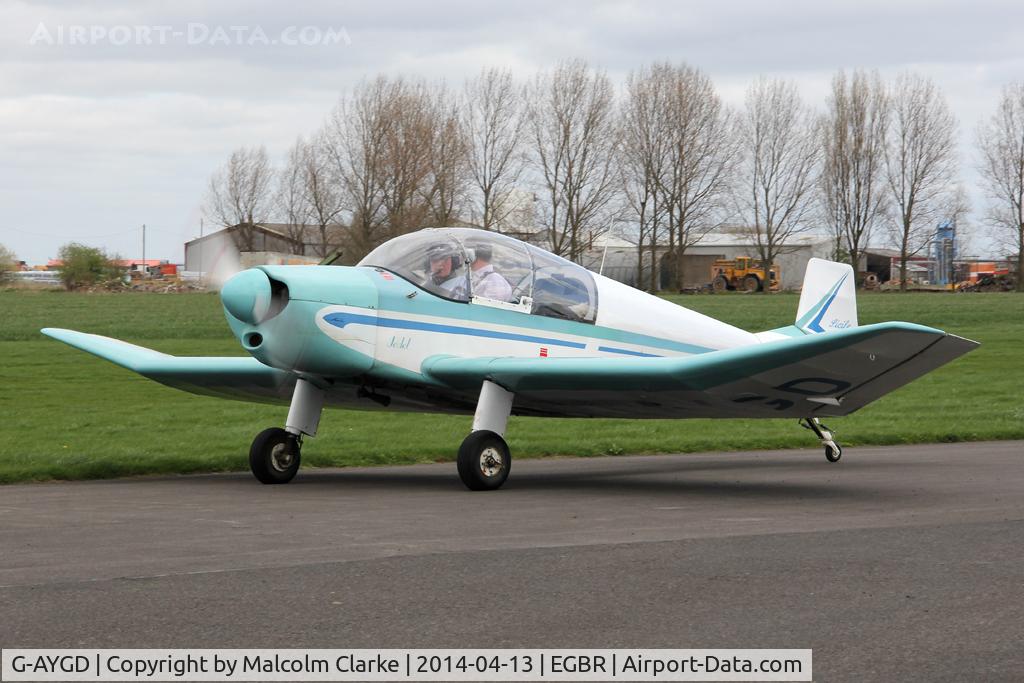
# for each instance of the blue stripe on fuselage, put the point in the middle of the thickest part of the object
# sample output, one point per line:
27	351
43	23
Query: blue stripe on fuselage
611	349
342	319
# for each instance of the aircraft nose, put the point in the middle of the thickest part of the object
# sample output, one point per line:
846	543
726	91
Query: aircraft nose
247	295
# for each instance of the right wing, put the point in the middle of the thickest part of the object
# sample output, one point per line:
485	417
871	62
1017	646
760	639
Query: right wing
242	378
806	376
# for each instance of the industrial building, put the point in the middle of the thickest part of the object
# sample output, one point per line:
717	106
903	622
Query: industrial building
616	258
264	243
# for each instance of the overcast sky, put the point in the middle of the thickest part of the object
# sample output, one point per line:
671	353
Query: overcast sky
125	125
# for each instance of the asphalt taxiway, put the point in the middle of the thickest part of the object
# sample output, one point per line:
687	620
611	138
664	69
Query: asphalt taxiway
895	563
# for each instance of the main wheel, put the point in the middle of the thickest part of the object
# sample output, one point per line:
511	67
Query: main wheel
833	453
719	284
752	283
484	461
274	456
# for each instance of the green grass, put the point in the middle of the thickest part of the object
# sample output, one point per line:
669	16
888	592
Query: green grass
68	415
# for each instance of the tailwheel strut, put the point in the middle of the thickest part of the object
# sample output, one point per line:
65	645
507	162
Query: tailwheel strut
833	451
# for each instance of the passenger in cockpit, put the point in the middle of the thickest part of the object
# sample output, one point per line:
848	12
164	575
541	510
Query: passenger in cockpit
487	282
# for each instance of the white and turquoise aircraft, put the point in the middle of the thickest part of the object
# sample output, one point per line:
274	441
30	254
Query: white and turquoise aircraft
456	320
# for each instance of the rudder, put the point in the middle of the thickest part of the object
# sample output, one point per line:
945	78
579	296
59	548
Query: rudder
828	301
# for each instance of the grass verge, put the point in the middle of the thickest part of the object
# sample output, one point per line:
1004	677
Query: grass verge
68	415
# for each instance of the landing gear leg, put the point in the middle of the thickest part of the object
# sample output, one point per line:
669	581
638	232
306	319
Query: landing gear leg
484	458
275	453
833	451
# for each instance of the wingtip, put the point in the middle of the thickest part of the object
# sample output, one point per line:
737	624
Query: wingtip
963	342
59	333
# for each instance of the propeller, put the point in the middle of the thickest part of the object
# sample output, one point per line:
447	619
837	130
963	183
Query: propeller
226	264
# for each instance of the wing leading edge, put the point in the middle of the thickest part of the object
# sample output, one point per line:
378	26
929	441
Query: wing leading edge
242	378
818	375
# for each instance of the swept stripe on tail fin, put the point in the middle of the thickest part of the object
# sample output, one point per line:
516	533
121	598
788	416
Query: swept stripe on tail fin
828	301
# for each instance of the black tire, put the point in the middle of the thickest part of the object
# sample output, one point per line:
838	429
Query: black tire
833	454
752	283
484	461
274	456
720	284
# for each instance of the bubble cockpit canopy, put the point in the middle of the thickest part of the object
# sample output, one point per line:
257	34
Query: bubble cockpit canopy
465	264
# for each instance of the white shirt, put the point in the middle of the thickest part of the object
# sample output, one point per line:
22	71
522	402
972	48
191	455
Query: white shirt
489	284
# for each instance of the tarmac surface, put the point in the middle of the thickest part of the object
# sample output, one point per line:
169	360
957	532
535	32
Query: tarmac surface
897	563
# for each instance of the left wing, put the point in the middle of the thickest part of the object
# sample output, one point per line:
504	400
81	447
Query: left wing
228	377
817	375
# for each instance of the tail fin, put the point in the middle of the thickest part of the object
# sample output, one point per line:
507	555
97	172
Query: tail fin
828	301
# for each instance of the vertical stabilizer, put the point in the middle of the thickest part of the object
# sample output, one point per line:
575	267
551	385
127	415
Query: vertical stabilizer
828	301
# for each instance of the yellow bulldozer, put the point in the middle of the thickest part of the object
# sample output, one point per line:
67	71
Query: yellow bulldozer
745	273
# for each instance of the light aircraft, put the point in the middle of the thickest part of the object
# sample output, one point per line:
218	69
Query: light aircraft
457	320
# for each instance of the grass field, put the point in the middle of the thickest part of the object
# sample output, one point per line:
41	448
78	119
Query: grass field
69	415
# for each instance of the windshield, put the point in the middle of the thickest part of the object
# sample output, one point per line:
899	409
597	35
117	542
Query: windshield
431	259
465	264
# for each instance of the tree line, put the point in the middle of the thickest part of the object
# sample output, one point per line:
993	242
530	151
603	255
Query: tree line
660	160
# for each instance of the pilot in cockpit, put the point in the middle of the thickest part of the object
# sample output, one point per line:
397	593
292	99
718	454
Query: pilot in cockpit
445	270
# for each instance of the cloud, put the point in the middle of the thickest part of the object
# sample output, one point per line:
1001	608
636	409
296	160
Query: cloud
100	138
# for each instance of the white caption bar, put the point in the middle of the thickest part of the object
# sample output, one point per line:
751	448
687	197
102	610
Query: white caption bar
405	665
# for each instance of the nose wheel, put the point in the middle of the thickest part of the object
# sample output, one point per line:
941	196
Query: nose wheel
275	453
274	456
484	461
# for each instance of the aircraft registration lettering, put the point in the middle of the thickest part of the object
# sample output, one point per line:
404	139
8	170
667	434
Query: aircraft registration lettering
805	386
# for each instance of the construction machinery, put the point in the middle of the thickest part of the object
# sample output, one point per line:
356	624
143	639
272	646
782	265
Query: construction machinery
744	273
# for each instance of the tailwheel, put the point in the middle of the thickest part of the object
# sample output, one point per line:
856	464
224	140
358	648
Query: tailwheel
484	461
274	456
833	451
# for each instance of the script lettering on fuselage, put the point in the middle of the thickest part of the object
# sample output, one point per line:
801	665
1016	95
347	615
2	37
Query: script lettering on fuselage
397	342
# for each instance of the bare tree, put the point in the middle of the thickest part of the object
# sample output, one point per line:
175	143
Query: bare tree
408	116
354	141
702	155
643	158
322	192
779	141
920	163
8	261
853	178
448	161
1001	143
493	120
397	151
291	195
239	193
573	126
